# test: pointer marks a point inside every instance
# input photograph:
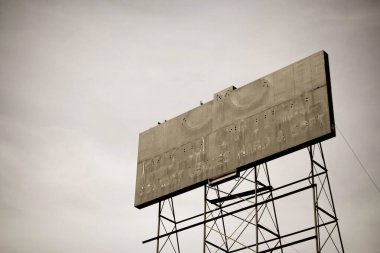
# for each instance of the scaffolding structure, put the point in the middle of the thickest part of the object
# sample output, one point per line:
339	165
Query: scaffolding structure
240	215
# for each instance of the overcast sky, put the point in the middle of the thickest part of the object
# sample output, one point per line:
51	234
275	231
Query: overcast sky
79	80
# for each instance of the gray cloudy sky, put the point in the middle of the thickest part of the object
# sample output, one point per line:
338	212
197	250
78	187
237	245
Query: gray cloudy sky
80	79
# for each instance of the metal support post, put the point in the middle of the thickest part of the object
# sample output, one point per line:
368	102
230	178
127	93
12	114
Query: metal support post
327	230
235	210
167	221
234	231
256	212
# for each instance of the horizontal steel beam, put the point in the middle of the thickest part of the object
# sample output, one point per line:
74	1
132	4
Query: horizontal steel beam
239	195
288	244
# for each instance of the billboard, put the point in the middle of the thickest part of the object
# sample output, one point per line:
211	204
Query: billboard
267	118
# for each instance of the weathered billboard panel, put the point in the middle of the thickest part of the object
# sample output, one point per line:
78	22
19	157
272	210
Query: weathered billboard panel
272	116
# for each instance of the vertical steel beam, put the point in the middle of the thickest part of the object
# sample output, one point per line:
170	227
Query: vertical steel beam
318	210
256	210
221	212
204	218
274	208
315	211
158	227
161	219
331	196
175	222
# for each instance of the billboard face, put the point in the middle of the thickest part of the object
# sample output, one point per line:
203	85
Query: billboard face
270	117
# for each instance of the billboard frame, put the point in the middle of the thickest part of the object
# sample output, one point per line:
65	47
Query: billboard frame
276	155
